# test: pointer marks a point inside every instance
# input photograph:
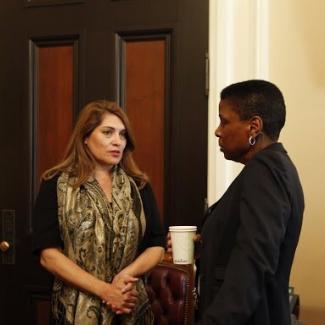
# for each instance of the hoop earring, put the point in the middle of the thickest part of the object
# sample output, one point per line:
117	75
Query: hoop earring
251	140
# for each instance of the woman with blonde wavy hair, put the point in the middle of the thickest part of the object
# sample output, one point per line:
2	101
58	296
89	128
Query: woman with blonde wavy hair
96	224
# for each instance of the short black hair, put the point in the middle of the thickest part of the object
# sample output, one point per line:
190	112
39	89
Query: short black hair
261	98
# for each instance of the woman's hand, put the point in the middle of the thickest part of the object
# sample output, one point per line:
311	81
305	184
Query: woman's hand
169	243
197	245
126	284
124	281
119	302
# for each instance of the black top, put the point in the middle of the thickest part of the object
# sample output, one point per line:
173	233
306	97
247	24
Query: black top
46	225
248	243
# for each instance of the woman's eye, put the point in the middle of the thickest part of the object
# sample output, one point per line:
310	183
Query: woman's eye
222	122
123	135
107	132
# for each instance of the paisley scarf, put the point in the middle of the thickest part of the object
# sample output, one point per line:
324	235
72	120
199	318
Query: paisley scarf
102	238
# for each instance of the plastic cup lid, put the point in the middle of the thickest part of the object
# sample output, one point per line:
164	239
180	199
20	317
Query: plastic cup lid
182	228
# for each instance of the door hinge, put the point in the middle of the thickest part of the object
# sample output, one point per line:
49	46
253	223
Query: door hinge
206	73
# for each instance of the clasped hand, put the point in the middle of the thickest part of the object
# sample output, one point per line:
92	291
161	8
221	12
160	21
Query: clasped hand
122	295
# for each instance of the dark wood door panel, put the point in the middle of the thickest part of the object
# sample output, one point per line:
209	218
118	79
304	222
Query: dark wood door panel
145	103
55	104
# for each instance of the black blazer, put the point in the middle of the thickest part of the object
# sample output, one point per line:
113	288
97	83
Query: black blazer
249	239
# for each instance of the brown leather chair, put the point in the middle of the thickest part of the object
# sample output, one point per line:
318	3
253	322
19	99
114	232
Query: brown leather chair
170	289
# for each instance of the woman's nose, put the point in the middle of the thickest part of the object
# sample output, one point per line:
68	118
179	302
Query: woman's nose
217	132
117	139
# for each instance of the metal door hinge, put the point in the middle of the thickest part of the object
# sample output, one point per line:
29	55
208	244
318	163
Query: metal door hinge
207	73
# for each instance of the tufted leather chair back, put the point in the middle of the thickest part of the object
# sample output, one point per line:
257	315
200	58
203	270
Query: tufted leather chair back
170	291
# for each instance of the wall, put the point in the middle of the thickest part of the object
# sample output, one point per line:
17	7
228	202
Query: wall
238	50
297	57
281	41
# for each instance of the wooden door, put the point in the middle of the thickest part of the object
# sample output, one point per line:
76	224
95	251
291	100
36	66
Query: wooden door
57	55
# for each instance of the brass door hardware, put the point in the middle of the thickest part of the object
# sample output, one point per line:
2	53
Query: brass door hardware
4	246
8	236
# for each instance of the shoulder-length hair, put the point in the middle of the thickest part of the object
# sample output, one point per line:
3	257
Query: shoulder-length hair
79	161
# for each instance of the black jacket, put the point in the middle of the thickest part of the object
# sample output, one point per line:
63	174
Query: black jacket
249	239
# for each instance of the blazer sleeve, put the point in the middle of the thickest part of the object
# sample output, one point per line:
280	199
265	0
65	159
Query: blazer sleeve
264	212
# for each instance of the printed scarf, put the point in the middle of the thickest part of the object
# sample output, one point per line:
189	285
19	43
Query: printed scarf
102	238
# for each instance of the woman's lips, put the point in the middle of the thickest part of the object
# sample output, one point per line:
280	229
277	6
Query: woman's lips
115	153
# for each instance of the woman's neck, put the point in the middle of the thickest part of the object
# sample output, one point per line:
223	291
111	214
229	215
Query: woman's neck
102	172
104	178
261	143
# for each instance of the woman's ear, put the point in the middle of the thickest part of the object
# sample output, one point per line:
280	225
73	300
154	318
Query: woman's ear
256	125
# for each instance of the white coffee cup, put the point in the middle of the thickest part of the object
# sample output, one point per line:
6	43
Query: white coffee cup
182	243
